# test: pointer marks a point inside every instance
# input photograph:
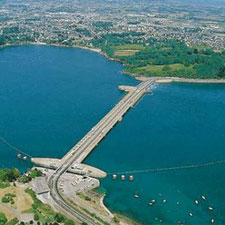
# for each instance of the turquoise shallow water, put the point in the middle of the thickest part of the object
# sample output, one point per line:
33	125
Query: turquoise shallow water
50	97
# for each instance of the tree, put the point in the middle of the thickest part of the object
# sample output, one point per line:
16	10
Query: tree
36	217
222	72
59	217
69	222
3	219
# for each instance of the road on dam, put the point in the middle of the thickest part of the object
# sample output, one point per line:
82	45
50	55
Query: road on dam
83	148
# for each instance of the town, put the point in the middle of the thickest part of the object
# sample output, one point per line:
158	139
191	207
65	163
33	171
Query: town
77	22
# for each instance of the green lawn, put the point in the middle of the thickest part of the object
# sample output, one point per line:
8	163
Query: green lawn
129	47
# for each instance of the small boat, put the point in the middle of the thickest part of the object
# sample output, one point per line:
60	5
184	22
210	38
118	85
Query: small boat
203	197
212	221
164	201
151	203
210	208
190	214
178	203
196	202
136	196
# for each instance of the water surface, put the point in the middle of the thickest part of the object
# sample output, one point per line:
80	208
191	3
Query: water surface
50	97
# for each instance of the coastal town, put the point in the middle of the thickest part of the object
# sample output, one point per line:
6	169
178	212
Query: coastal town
78	22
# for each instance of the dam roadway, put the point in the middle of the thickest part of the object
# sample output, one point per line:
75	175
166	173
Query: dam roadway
83	148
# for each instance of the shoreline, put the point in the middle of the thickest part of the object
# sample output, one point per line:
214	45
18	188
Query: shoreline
136	76
182	80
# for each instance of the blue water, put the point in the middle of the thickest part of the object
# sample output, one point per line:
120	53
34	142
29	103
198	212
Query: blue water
50	97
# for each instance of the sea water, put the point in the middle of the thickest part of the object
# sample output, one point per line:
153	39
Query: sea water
50	97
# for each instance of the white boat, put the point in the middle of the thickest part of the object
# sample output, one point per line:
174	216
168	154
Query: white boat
136	196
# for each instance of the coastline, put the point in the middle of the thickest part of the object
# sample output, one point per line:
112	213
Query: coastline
181	80
136	76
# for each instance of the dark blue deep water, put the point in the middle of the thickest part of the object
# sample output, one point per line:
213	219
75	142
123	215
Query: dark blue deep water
50	97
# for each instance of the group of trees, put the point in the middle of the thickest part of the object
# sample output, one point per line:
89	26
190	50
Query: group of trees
198	62
10	175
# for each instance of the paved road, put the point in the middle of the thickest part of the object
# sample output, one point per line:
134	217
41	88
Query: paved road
83	148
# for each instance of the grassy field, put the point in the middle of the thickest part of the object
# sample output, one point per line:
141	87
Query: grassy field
160	70
23	201
127	50
129	47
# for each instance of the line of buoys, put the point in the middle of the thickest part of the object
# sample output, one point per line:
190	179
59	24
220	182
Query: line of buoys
20	152
122	177
19	156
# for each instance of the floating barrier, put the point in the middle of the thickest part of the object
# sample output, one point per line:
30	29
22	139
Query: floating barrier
173	168
20	152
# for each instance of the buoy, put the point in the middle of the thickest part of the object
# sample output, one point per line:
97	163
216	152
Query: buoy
123	177
210	208
131	177
196	202
19	156
190	214
25	158
212	221
203	197
114	176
